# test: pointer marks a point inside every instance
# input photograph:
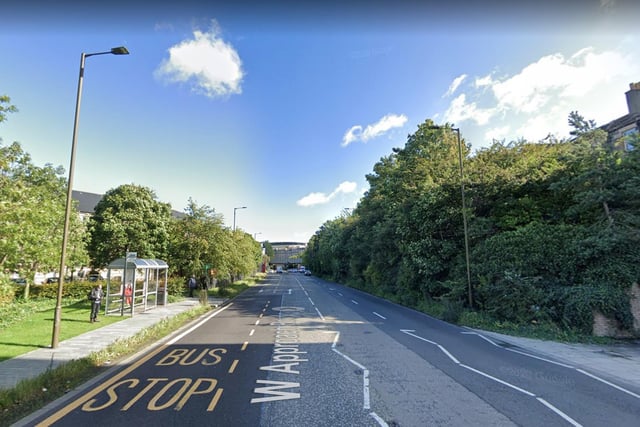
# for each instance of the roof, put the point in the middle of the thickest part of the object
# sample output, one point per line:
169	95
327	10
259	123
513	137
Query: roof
621	122
150	264
87	203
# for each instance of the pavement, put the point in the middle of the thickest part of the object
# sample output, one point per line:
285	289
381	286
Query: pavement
619	361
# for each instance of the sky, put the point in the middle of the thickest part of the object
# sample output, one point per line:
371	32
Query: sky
284	107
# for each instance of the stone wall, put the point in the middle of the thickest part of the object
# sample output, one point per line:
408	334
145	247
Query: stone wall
605	327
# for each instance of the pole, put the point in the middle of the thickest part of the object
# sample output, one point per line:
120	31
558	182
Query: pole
464	219
65	234
67	212
234	216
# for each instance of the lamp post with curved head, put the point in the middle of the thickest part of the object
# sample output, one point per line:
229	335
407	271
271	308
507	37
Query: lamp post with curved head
464	212
234	216
56	318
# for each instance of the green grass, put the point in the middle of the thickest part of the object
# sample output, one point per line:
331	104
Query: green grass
35	330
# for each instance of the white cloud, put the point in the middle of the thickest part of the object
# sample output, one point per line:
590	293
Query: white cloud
537	100
312	199
460	110
454	85
385	124
351	135
209	64
483	81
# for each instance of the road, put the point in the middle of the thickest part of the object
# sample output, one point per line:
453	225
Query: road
299	351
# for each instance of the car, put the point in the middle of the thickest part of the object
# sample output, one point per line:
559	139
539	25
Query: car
307	272
279	270
19	280
51	280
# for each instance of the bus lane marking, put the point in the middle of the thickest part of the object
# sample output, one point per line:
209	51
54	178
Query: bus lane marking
116	379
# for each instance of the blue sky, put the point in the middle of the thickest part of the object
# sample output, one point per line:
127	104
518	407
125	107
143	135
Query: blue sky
284	107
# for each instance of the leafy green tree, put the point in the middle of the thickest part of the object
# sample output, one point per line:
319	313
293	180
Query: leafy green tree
6	107
33	201
554	227
579	124
32	205
128	219
196	241
268	249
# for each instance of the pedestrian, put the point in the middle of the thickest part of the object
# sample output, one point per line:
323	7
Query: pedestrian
96	298
128	291
192	285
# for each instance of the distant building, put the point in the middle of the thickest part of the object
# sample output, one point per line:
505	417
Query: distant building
622	128
285	253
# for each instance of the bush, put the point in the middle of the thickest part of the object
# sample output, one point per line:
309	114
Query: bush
581	301
7	289
452	310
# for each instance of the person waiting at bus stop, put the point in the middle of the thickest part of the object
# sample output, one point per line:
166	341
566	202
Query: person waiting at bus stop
95	296
128	292
192	285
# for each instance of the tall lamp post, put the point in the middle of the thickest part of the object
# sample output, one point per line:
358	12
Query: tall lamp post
234	216
56	318
464	212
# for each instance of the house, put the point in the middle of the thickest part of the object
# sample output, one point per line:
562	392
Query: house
623	128
88	201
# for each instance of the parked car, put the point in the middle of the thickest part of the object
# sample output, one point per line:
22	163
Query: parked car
307	272
19	280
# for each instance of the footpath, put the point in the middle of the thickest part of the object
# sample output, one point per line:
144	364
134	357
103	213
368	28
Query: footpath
619	362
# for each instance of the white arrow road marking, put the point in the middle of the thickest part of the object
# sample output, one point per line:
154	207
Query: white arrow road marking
498	380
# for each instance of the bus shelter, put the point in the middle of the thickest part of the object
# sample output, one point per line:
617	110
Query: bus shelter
135	285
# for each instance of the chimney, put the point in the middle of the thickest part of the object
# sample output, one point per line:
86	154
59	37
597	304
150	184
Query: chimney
633	98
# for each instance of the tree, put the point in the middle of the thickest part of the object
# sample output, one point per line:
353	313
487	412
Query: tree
579	124
32	204
128	218
31	216
196	241
6	107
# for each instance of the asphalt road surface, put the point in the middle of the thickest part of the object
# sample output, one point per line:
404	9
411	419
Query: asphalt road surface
299	351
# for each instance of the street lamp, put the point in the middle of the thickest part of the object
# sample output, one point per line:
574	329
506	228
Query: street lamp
56	318
234	216
464	211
